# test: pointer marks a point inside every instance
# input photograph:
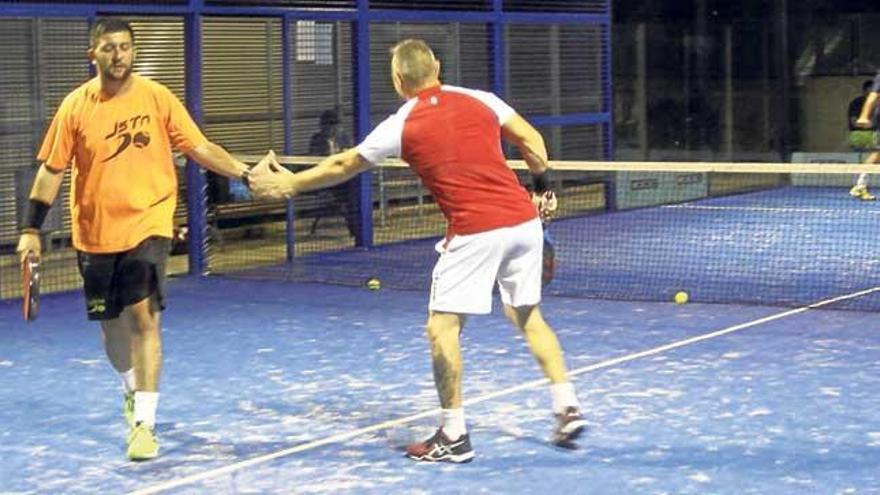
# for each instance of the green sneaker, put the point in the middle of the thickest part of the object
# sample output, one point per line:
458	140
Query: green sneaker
862	193
128	408
142	443
857	191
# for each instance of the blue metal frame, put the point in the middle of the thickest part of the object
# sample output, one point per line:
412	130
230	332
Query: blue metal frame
196	185
287	93
361	16
496	15
608	108
571	119
93	70
287	111
498	50
493	17
363	126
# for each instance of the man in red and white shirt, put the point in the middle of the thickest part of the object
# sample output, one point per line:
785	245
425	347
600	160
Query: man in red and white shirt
451	138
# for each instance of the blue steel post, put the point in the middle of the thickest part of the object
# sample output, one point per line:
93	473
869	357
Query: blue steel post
607	87
364	235
196	185
498	49
90	21
608	105
287	110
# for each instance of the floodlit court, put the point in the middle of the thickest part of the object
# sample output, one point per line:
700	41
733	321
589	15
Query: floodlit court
278	387
325	194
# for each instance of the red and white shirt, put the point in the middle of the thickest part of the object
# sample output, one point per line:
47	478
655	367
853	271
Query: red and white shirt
451	138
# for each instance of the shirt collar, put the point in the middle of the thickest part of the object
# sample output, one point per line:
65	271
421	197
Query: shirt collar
429	91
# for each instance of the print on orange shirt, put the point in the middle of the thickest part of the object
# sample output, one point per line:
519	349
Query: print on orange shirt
130	131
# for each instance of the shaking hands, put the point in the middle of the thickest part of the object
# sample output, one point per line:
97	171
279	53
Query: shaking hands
269	180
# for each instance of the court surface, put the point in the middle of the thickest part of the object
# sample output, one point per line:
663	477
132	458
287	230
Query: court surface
788	246
272	386
784	405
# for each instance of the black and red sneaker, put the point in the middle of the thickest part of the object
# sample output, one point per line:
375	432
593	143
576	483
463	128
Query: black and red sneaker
440	448
569	426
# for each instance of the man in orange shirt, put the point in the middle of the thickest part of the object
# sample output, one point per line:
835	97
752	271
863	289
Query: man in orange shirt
117	130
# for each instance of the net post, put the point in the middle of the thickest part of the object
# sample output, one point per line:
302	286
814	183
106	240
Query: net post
290	233
610	191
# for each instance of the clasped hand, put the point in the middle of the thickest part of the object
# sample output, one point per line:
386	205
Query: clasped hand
546	204
268	179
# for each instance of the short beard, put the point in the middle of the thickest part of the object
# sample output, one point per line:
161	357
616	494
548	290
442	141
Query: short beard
108	74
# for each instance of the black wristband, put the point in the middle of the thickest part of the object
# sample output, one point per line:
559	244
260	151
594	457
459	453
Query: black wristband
541	182
35	214
245	178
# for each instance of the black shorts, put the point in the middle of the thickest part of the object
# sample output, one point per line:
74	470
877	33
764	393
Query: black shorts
115	280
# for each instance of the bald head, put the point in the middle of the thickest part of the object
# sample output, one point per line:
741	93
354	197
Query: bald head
413	67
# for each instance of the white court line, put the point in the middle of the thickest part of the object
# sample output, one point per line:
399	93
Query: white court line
532	384
774	210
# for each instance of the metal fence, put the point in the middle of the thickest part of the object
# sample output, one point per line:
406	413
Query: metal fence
258	74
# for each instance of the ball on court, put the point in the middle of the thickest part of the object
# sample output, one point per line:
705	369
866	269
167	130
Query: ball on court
374	283
681	297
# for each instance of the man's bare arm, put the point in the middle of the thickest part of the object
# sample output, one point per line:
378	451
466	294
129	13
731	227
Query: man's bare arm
46	184
531	145
218	160
867	110
276	182
524	136
335	169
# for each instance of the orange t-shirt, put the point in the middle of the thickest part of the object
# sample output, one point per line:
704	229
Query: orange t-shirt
124	186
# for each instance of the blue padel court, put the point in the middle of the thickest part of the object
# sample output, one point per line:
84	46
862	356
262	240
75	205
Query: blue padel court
717	245
341	377
271	386
790	246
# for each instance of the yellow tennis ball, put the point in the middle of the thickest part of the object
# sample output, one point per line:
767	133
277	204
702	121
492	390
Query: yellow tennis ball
374	284
681	297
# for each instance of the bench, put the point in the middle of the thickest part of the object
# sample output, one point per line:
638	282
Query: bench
225	215
251	215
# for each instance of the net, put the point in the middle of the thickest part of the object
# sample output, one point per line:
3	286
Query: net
780	234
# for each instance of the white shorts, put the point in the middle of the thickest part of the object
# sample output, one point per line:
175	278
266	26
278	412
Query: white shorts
469	265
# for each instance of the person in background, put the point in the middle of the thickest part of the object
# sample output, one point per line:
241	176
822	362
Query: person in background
329	140
863	133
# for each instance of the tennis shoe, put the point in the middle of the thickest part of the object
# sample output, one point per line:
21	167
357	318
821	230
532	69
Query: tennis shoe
856	190
142	443
440	448
862	193
128	408
569	426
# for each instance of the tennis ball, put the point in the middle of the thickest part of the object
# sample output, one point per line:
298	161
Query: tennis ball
374	283
681	297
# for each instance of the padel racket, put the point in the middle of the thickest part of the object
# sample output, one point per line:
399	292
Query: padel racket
30	279
546	205
548	268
